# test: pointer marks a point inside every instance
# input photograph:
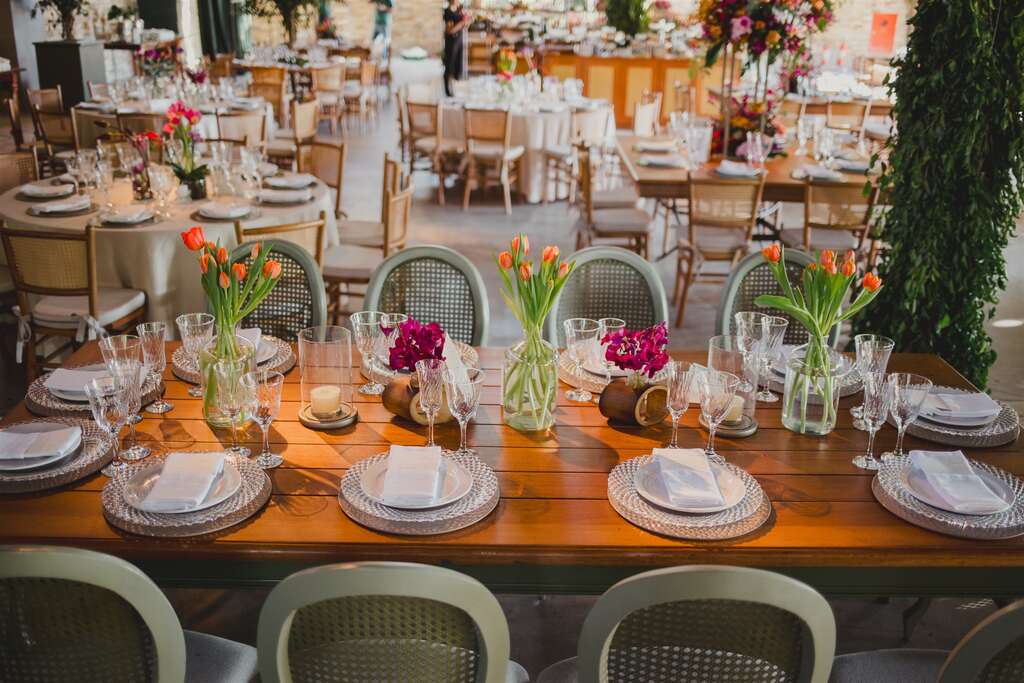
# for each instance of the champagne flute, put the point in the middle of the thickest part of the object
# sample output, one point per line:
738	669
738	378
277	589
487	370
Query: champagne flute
106	401
680	375
430	375
873	353
196	332
909	392
152	336
366	326
717	390
581	335
122	354
877	397
230	396
463	395
263	397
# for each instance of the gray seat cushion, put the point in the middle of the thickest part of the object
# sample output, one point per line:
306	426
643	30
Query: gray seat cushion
209	659
888	666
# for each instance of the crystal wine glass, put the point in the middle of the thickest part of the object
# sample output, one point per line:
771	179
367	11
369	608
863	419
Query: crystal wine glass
230	396
909	392
263	399
106	401
430	375
774	331
366	327
873	353
196	331
463	395
750	340
581	335
608	326
122	354
717	390
877	397
153	336
680	375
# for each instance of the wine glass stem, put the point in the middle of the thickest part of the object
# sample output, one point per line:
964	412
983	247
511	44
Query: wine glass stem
132	438
675	432
234	433
266	438
871	444
899	440
430	430
711	440
463	446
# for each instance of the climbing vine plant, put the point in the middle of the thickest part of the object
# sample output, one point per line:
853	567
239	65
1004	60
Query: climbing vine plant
955	180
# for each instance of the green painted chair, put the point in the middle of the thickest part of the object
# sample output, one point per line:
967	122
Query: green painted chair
433	284
384	621
704	624
608	282
751	278
77	616
299	299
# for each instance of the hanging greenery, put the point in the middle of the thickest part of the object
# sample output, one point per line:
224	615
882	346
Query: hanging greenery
291	12
953	178
628	16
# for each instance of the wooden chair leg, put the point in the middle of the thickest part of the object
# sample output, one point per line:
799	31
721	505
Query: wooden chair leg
687	279
664	242
439	170
506	188
470	178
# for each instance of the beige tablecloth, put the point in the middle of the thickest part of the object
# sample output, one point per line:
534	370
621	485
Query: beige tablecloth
151	257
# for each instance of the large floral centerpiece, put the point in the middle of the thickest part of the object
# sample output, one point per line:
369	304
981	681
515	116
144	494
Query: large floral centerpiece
181	147
159	62
636	399
530	368
748	116
505	65
814	370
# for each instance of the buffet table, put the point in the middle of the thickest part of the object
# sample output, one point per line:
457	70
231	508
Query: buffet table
554	529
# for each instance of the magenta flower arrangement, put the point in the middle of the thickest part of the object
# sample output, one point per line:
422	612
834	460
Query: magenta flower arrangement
196	76
414	342
639	352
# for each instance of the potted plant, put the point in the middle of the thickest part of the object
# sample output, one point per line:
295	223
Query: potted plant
414	341
636	399
67	62
181	147
628	16
291	12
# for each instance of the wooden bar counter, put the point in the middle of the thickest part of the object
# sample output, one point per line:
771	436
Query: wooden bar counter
554	529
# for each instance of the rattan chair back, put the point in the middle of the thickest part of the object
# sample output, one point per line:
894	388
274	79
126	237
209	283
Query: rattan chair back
249	127
646	113
396	220
423	119
723	203
269	75
307	234
51	263
77	616
836	206
304	119
329	79
54	128
49	100
487	126
367	73
274	93
325	160
18	168
433	284
992	652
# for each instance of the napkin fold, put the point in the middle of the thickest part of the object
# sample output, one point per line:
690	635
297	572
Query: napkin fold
735	169
291	181
46	190
184	482
672	161
413	477
76	203
819	172
853	165
253	335
689	481
18	446
953	479
128	215
654	146
285	196
69	381
975	405
224	209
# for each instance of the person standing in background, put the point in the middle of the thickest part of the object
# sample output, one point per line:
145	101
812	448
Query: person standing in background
382	24
456	19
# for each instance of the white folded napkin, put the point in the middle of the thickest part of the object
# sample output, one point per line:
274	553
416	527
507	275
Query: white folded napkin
654	146
227	209
953	479
853	165
268	169
735	169
975	405
76	203
285	196
819	172
688	478
672	161
46	190
453	360
128	215
292	181
69	381
184	482
253	335
18	446
413	477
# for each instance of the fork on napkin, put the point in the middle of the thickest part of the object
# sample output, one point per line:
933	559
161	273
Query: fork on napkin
414	476
21	445
688	479
184	482
953	479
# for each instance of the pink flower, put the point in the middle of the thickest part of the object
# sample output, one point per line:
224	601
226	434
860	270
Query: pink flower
640	351
415	342
740	27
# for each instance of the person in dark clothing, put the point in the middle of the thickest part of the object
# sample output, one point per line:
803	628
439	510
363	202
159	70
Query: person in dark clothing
456	19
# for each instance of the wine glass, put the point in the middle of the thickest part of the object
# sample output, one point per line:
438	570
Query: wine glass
106	401
263	400
750	339
581	336
153	336
757	149
717	390
463	395
877	397
608	326
773	331
366	326
873	353
804	132
909	392
162	182
122	354
230	397
430	376
196	331
680	375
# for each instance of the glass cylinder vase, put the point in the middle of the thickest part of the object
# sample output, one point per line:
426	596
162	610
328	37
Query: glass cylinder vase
814	375
529	383
223	347
325	371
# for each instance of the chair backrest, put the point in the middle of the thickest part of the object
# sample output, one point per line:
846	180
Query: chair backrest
853	114
590	126
423	119
704	624
250	127
51	263
98	90
304	119
992	652
325	160
18	168
645	115
222	65
308	234
724	203
487	126
392	180
49	100
608	282
402	114
76	616
328	79
836	206
272	75
90	125
53	128
396	219
274	93
753	277
367	73
377	621
297	301
433	284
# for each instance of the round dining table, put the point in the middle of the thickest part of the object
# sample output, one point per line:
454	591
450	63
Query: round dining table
151	257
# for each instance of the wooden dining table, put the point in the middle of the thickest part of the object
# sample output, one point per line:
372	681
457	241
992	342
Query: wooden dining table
554	529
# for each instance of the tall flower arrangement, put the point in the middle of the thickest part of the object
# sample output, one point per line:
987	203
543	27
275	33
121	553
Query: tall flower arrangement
506	64
157	62
180	126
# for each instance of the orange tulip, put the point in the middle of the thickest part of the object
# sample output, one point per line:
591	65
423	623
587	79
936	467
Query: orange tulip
827	257
525	270
194	238
238	270
812	266
255	251
563	270
872	282
272	269
549	254
772	254
849	268
850	255
505	260
523	240
224	281
222	255
204	263
831	268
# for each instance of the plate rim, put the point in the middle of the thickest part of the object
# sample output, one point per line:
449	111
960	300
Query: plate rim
381	464
144	468
979	472
77	448
692	511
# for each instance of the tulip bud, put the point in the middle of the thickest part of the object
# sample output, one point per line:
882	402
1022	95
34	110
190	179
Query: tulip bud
872	282
255	251
204	263
505	260
830	268
851	255
849	268
563	270
526	245
515	243
772	254
193	238
549	254
224	281
827	257
271	269
525	270
222	255
812	266
239	271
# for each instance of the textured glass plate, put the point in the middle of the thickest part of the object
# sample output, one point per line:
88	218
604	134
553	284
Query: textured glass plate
457	483
22	464
1003	430
40	401
95	451
652	489
139	486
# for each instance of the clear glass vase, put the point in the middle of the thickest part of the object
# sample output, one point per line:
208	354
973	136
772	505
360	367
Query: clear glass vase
225	346
814	374
529	383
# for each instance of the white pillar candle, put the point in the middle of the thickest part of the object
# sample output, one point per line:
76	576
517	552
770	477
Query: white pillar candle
325	400
735	413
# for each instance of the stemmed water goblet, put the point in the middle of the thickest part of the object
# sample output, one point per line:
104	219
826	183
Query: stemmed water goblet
717	390
430	376
463	394
263	400
581	336
196	331
772	332
122	354
230	397
608	326
909	392
877	397
162	183
106	401
366	327
757	149
153	336
804	132
680	376
750	339
873	353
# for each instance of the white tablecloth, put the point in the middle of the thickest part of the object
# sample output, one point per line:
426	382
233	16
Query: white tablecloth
207	125
151	257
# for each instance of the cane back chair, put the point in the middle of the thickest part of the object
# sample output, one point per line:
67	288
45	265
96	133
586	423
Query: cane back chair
837	216
625	225
325	160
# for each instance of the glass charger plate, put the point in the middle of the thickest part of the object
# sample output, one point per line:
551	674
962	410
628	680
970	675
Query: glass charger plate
1003	430
384	374
250	498
40	401
95	451
888	488
739	520
478	503
283	360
